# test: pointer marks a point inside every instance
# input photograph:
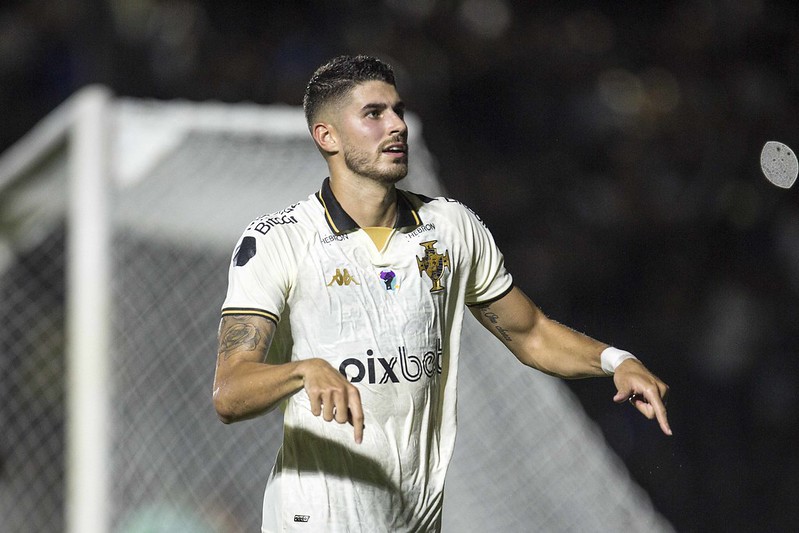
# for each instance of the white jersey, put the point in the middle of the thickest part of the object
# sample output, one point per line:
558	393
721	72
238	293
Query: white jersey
388	319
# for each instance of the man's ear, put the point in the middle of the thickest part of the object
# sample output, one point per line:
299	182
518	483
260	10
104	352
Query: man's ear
325	137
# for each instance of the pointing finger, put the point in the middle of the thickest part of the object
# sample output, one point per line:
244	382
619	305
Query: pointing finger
652	406
356	417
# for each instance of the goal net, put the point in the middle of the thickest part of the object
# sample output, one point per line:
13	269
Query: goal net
182	180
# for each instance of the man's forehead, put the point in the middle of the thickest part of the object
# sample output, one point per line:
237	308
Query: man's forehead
373	92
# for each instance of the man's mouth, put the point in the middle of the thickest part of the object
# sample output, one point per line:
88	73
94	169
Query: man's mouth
396	148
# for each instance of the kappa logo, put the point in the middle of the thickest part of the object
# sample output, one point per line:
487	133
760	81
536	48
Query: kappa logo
433	264
342	277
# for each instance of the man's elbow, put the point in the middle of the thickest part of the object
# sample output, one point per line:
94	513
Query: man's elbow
224	407
225	418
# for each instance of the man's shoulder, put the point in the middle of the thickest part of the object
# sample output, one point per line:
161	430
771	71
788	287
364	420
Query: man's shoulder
441	206
295	218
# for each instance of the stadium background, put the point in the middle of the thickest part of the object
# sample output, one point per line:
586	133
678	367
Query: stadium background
612	150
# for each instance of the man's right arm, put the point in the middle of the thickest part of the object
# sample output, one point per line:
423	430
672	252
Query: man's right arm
245	386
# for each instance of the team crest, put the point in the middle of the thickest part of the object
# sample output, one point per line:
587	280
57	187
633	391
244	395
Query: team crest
433	264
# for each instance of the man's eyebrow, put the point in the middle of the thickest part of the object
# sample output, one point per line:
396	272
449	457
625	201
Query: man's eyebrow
379	106
374	106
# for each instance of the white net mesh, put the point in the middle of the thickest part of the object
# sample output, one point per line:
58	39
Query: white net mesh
188	178
31	351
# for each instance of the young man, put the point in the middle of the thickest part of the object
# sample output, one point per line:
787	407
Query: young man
346	309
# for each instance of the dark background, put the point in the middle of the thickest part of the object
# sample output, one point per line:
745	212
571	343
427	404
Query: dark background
613	150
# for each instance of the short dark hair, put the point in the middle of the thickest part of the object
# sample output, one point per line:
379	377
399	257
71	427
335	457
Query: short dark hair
338	76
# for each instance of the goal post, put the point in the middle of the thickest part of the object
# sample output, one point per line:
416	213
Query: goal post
118	217
88	319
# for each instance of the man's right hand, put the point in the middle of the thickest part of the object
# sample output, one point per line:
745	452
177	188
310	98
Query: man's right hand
246	386
332	396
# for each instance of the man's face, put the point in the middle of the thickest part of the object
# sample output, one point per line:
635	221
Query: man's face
373	132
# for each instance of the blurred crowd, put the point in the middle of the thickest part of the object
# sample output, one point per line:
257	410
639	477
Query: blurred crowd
613	150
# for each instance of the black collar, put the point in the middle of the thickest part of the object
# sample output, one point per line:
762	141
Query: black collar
340	222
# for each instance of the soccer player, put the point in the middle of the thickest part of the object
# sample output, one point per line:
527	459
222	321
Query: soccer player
346	309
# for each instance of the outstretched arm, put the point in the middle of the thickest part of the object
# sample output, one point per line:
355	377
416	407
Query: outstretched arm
246	386
542	343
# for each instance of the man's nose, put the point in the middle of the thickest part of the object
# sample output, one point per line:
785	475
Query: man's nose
397	125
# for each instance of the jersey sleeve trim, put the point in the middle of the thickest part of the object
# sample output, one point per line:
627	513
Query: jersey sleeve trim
492	300
228	311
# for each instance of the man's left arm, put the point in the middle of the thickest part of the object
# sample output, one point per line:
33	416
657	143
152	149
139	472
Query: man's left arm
544	344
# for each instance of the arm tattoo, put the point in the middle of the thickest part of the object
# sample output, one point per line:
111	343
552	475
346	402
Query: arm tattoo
244	336
494	319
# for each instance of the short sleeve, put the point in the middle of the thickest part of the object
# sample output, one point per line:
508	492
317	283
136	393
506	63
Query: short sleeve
258	276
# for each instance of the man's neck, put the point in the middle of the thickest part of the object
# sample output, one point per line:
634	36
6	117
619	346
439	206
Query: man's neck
369	203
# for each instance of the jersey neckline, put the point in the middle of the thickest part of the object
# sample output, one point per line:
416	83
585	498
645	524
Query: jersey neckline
341	222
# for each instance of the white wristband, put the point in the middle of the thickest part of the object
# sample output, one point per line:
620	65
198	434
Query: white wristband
612	357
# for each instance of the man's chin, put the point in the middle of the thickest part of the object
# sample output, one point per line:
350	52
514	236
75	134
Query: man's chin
387	174
396	175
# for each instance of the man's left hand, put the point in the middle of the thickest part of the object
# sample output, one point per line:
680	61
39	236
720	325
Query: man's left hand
645	391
